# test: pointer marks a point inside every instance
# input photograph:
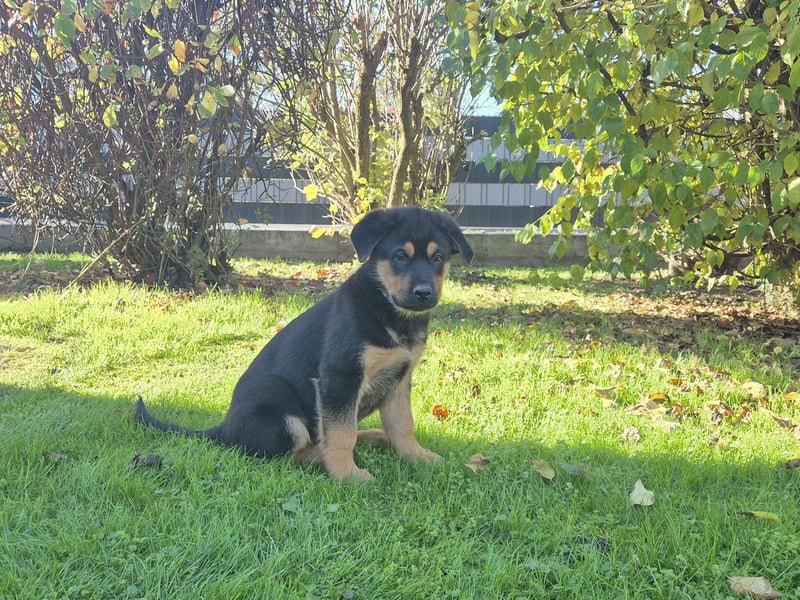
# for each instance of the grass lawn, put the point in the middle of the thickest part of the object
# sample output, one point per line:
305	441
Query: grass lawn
691	394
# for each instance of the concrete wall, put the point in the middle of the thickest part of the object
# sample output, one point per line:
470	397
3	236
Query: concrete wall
293	242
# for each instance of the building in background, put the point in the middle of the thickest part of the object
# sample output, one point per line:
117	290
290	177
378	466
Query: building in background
477	198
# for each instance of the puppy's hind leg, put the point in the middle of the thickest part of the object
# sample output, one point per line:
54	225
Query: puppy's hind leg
265	419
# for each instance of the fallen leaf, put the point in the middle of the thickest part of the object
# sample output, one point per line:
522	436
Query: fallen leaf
631	434
792	396
646	407
457	373
56	457
440	412
477	462
543	468
576	470
742	415
668	423
601	543
607	393
755	587
641	496
758	514
755	389
793	464
657	397
151	460
782	421
676	409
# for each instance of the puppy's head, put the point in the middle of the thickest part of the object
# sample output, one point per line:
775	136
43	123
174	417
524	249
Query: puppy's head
411	250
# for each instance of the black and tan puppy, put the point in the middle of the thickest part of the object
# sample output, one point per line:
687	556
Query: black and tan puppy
349	355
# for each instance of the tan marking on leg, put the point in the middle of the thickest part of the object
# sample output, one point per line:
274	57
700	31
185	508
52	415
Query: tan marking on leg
399	425
298	432
337	452
303	450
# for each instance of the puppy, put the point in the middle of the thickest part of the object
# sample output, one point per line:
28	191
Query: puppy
349	355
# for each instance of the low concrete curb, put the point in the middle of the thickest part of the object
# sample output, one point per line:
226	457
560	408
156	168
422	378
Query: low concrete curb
293	242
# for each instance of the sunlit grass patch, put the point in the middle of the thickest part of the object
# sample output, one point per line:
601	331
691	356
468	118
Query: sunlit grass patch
515	370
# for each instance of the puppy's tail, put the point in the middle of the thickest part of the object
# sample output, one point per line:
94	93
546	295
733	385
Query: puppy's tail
144	417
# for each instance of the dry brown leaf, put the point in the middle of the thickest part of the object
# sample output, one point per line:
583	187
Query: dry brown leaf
56	457
646	407
640	496
668	423
440	412
793	463
792	396
676	409
543	468
630	434
151	460
754	389
755	587
782	421
657	397
457	373
477	462
606	393
576	470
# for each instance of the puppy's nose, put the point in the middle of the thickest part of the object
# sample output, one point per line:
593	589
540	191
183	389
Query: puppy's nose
423	291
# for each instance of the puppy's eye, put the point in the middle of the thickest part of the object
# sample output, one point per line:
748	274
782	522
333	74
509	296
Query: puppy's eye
437	258
400	256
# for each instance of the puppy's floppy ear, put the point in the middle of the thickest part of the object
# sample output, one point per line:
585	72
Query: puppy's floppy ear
370	230
454	232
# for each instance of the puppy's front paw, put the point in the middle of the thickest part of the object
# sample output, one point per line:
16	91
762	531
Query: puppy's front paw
363	476
417	452
351	471
428	456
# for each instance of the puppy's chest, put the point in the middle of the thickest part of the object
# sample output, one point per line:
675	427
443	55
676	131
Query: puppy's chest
383	370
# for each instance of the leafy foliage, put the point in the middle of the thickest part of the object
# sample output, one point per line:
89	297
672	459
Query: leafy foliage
132	120
677	122
381	123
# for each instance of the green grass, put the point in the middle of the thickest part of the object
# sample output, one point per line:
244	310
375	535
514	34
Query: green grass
517	364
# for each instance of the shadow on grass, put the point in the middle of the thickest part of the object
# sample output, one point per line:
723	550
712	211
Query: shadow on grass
67	458
38	423
712	335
